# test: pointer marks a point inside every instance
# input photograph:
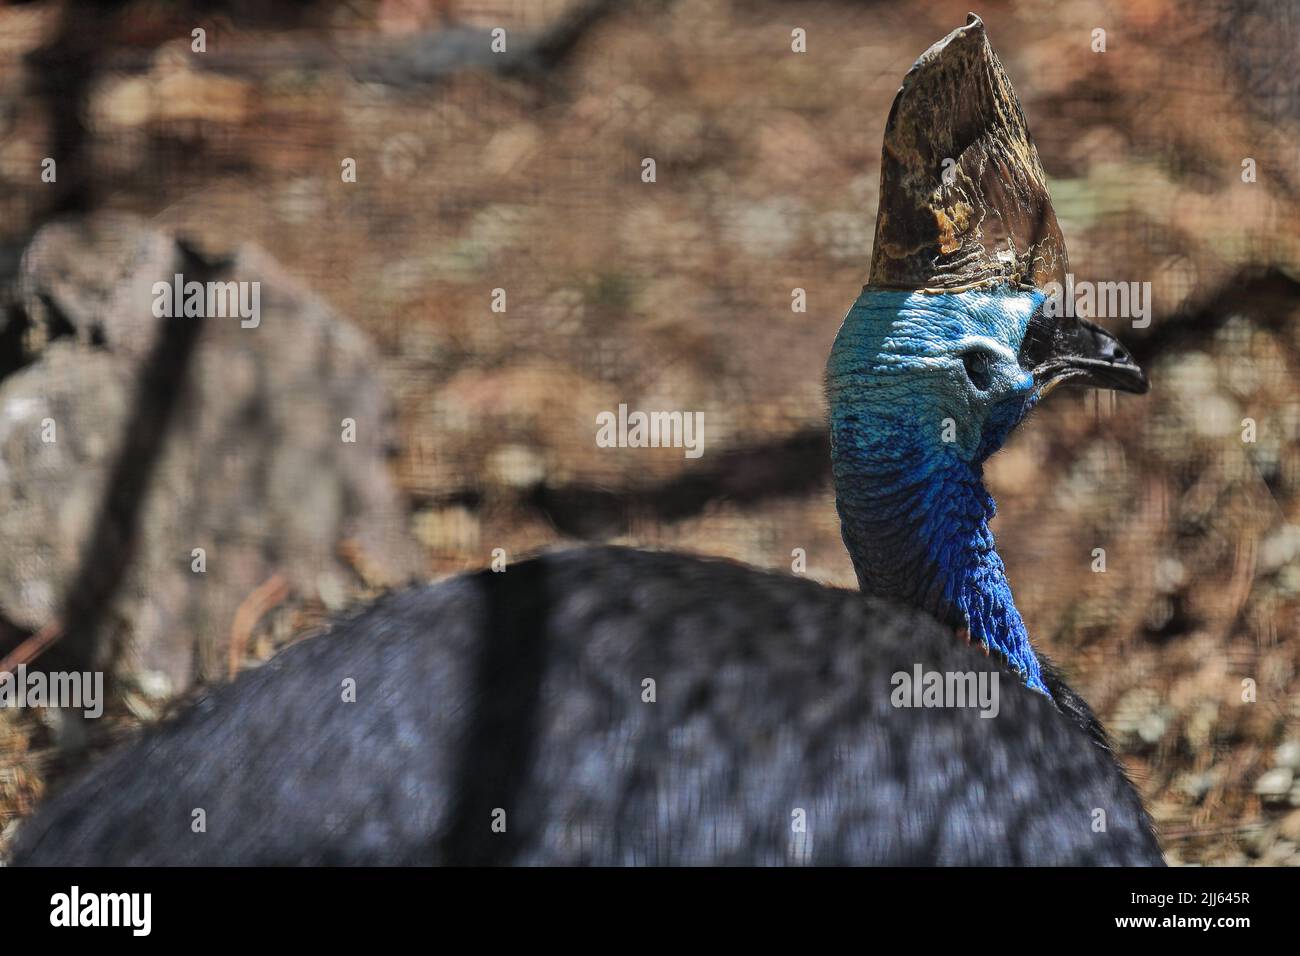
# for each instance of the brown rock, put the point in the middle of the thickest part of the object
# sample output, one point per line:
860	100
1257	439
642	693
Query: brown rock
255	469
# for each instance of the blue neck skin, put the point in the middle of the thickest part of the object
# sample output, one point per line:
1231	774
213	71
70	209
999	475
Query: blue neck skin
911	428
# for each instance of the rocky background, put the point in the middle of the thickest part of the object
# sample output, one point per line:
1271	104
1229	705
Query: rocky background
474	428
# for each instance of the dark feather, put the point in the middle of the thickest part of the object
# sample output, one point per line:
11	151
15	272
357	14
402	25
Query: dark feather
522	691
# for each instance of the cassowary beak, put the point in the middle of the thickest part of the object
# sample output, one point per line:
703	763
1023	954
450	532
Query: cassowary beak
964	205
1074	351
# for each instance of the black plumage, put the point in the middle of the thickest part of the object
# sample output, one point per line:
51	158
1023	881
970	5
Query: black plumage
523	691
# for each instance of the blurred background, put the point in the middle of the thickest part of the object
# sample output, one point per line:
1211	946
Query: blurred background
199	510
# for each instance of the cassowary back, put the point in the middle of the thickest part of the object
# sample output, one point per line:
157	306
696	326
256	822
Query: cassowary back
520	698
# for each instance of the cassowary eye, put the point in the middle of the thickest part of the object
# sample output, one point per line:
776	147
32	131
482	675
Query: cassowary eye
978	368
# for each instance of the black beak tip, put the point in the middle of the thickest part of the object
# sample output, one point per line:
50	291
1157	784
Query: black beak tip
1139	383
1081	355
1121	372
1122	375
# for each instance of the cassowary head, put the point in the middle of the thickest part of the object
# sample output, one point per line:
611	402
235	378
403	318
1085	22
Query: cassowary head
952	341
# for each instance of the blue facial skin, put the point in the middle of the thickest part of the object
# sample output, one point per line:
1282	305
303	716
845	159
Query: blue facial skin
923	388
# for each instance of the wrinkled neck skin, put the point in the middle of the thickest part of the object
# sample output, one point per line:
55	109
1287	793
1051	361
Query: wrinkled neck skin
909	437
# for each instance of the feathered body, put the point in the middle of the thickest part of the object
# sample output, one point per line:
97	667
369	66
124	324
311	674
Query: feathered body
524	692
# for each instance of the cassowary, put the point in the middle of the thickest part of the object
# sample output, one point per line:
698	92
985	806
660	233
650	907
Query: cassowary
615	706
